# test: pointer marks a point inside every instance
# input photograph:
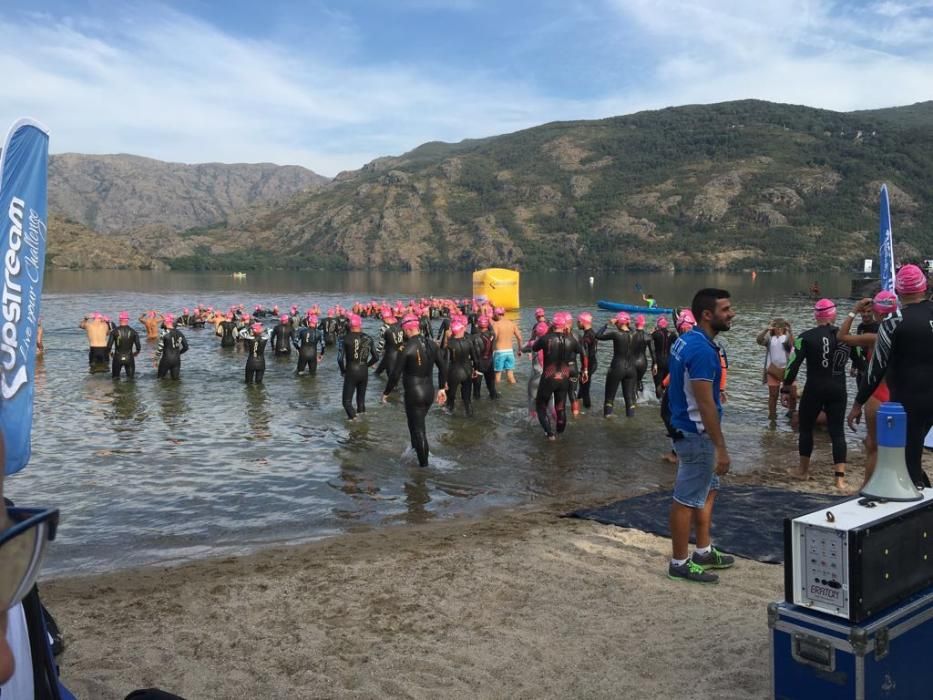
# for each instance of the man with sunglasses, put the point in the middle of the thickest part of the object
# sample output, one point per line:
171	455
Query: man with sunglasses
24	534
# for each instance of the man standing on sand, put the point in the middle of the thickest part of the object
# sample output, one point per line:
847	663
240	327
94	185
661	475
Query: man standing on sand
503	356
98	330
696	412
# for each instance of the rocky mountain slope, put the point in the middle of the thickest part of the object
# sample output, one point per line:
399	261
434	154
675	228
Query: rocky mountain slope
731	185
119	193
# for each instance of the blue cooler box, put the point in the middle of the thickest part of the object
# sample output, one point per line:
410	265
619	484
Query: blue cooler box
888	656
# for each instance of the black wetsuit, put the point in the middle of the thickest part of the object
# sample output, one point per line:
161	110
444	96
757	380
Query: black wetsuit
588	343
227	332
392	340
415	366
903	357
825	389
124	343
309	342
183	320
172	345
462	359
328	327
862	356
484	341
425	327
443	331
640	350
560	353
354	358
255	358
283	335
621	370
660	347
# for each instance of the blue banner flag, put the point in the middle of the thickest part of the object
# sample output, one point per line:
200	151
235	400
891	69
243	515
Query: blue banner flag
23	212
886	243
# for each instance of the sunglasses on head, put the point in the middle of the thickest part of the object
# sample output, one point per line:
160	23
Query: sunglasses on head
22	548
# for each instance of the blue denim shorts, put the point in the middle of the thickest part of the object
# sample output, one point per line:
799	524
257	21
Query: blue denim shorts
696	471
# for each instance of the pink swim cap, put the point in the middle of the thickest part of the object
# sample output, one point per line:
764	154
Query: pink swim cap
257	327
585	317
229	315
662	322
283	318
539	311
884	303
186	311
824	310
457	327
623	318
410	321
356	322
541	328
312	319
685	320
124	316
168	320
910	280
499	310
640	321
390	319
294	308
483	321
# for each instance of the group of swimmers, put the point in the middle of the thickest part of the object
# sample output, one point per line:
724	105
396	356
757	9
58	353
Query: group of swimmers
474	344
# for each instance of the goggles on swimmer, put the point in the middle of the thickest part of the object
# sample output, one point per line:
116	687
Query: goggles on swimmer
22	548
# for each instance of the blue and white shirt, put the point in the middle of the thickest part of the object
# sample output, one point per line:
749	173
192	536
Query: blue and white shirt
694	357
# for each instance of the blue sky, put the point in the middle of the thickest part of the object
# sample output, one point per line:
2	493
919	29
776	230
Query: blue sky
332	85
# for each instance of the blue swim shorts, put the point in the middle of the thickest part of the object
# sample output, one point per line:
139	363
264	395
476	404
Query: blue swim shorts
503	360
696	471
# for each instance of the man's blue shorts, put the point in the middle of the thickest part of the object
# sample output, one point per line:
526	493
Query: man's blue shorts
696	473
503	360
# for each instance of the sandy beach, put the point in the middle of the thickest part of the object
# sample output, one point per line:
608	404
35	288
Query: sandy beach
521	604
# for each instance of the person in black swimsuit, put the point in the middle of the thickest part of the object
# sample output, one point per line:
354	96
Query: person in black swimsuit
123	343
309	342
171	346
283	335
354	358
415	367
589	344
254	341
622	368
226	330
662	338
484	339
560	351
462	361
825	389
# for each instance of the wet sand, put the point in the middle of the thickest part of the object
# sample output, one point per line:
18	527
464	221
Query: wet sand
518	604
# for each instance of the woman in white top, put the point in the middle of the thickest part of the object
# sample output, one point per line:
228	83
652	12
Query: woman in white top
778	341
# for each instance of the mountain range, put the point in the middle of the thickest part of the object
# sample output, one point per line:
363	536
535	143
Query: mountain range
735	185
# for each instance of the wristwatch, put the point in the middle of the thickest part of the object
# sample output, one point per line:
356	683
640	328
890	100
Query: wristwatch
852	314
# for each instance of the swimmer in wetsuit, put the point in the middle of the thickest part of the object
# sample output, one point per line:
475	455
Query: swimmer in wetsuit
537	367
640	350
462	361
622	368
254	341
589	344
825	388
98	332
354	358
172	345
329	328
283	335
662	338
392	339
560	350
309	342
485	341
124	345
227	330
415	367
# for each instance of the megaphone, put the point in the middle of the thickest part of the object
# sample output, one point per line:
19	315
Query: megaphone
891	481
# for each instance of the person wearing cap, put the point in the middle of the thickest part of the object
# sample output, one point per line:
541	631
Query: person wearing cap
622	368
824	390
414	366
98	331
226	330
282	337
778	341
588	343
254	339
123	344
462	360
903	357
171	346
659	347
484	340
540	317
389	342
151	321
649	300
883	304
503	355
354	358
640	350
309	342
559	350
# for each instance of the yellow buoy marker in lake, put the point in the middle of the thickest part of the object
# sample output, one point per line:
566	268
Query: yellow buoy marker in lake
498	285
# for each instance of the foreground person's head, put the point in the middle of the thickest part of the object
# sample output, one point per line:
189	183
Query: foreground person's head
712	309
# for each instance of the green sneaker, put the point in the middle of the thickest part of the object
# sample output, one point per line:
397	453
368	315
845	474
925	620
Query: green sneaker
690	571
713	559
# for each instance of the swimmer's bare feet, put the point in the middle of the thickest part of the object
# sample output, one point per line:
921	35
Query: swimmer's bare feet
798	473
670	457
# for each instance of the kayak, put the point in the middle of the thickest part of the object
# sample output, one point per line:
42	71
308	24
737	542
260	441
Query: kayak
619	306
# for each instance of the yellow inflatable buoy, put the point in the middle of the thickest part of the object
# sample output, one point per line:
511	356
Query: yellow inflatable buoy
498	285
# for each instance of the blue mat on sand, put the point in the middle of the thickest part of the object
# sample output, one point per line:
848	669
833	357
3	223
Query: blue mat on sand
748	521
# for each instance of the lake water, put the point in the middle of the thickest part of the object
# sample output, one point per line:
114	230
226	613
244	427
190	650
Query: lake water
149	471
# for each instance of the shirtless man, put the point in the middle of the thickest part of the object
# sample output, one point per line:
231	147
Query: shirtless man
151	320
503	356
97	330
